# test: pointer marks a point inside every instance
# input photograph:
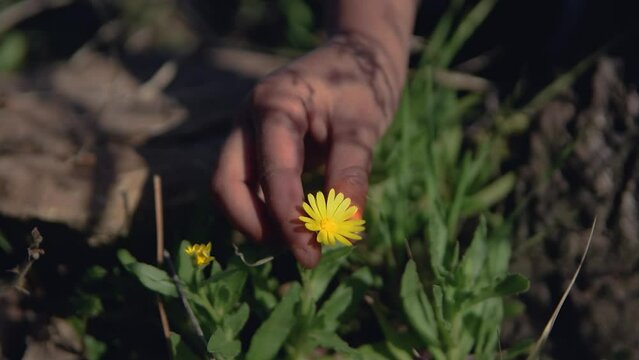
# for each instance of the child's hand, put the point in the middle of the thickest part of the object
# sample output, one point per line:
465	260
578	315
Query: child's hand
328	108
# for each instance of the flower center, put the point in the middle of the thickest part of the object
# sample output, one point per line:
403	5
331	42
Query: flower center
328	225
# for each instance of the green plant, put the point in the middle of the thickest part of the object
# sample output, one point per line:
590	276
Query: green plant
453	288
299	322
213	308
435	268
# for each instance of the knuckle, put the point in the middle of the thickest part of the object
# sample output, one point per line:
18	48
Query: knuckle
272	99
272	174
354	176
362	133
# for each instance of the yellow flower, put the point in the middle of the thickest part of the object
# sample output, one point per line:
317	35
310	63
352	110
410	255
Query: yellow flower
201	254
332	218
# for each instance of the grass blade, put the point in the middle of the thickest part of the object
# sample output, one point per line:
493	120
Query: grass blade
534	354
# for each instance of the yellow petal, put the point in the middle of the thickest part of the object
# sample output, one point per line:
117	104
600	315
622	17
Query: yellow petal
339	199
321	204
343	240
309	210
331	238
346	214
350	235
355	222
321	237
342	207
354	230
305	219
330	203
312	226
349	227
313	204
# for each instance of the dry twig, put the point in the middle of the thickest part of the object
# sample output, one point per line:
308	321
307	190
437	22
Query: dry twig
33	254
159	239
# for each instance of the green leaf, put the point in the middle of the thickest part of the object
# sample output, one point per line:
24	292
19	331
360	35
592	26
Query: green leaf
346	298
86	305
490	194
94	349
235	322
397	345
93	274
330	340
513	308
174	341
151	277
227	287
184	264
464	30
417	307
379	351
223	348
319	277
498	248
273	332
13	51
264	288
475	256
437	240
334	307
488	334
179	349
519	349
5	245
511	285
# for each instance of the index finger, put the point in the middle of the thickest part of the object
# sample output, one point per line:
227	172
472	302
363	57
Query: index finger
280	137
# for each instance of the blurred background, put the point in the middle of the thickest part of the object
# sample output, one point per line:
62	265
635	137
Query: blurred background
97	96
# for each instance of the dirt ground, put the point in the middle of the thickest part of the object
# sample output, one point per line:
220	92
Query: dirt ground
582	163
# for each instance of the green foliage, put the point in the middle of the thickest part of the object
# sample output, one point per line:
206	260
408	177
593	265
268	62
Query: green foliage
215	301
273	332
13	50
431	286
300	23
93	348
86	304
463	313
150	276
453	297
297	327
5	245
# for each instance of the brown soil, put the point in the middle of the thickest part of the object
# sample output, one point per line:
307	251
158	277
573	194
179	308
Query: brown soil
597	176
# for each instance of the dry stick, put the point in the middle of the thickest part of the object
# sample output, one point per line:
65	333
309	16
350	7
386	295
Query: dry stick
534	354
159	240
33	254
159	81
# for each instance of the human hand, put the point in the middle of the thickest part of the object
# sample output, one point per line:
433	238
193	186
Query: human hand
329	108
